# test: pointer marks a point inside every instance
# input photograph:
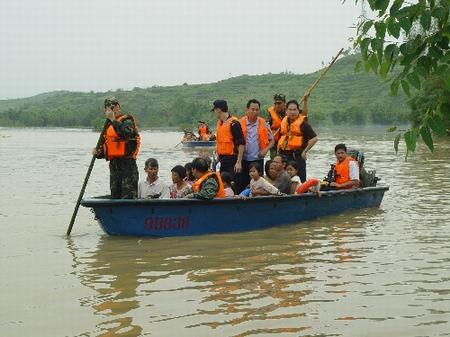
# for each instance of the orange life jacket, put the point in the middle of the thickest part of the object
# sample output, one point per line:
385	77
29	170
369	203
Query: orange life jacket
216	175
343	170
224	140
263	132
116	147
291	138
276	123
203	132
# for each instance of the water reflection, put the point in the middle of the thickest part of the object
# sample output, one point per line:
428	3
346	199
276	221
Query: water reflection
222	283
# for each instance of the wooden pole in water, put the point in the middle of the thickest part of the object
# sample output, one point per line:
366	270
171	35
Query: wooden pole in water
91	165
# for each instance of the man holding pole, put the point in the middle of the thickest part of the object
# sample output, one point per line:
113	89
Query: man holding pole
120	147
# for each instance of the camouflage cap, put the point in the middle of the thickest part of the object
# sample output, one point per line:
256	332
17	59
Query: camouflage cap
111	101
279	98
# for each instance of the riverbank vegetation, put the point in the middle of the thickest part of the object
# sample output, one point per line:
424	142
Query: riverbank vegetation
343	97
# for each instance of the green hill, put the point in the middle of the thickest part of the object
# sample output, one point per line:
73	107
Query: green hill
343	96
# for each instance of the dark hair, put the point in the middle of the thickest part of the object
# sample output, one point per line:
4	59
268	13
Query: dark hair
267	166
180	170
226	177
340	147
188	167
256	166
251	101
293	164
151	162
200	164
293	101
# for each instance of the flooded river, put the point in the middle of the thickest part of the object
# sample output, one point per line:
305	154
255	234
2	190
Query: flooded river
376	272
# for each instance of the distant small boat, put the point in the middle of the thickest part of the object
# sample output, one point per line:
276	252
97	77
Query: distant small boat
199	143
184	217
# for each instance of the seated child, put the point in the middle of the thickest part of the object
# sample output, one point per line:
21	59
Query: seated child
259	185
292	170
226	180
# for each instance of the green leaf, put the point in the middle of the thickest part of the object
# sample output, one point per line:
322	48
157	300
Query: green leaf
425	133
373	62
439	13
414	80
411	140
381	5
380	28
358	66
366	26
393	27
445	109
394	87
384	69
441	69
377	46
395	7
405	87
446	78
406	24
396	141
425	20
391	129
437	125
364	45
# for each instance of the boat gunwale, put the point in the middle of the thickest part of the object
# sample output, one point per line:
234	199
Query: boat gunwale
102	201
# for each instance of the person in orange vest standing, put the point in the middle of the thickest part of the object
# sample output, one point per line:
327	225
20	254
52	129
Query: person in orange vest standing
347	169
296	137
276	113
258	139
230	142
120	147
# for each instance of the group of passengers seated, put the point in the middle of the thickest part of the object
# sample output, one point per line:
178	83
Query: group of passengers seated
204	133
198	181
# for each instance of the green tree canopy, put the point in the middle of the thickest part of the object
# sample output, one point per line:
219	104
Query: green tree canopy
413	37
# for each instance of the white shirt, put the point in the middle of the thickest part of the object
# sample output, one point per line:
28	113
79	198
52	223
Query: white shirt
158	187
353	169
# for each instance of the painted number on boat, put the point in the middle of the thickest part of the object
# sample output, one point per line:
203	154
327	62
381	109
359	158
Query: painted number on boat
166	223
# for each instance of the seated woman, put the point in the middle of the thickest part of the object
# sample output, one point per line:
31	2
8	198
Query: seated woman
259	185
208	184
180	187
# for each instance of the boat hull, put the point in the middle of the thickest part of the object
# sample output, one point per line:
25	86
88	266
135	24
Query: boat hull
184	217
199	143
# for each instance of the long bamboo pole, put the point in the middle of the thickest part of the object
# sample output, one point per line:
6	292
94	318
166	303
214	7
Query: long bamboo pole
91	165
314	85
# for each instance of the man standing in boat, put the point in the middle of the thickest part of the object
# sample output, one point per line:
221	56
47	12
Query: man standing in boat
121	143
258	139
230	142
276	113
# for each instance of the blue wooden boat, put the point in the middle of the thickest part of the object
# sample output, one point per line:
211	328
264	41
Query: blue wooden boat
182	217
199	143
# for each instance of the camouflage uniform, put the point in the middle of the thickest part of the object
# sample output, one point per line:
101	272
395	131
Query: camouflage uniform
124	174
208	190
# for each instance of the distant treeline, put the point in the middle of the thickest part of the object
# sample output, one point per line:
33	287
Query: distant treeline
343	97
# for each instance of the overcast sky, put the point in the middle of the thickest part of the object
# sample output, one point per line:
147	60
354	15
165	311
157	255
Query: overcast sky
83	45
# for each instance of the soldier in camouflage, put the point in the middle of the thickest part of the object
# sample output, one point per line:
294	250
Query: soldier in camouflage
120	146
